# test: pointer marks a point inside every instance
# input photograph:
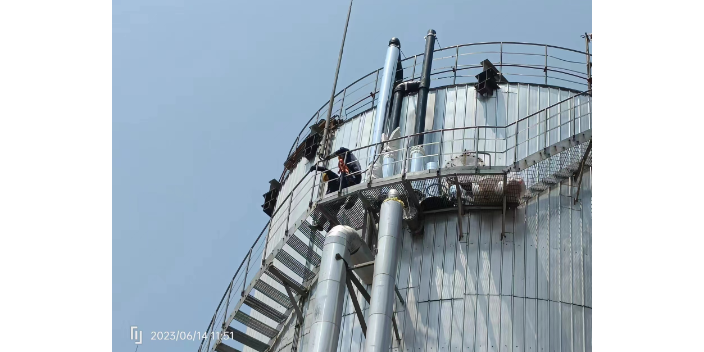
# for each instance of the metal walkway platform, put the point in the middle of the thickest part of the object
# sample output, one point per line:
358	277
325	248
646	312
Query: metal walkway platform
449	189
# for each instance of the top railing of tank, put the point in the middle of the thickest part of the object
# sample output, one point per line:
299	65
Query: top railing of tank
459	64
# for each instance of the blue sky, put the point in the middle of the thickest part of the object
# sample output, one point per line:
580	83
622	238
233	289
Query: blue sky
208	97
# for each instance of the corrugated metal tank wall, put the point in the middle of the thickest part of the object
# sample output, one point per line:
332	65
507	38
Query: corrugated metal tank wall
528	292
478	293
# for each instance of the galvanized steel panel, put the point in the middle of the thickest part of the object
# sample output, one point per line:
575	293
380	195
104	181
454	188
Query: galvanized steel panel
457	312
531	325
566	319
437	288
410	317
578	328
495	260
448	136
519	324
473	254
421	340
506	324
555	326
470	326
482	327
460	106
586	196
416	261
507	257
460	266
357	336
426	278
566	245
484	253
543	326
494	325
519	252
531	248
587	329
449	253
543	245
577	268
554	228
402	279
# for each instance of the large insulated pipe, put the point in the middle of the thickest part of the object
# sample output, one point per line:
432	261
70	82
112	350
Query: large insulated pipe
422	103
387	84
381	306
330	293
401	90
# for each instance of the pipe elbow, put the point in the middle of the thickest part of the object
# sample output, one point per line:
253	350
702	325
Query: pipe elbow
349	235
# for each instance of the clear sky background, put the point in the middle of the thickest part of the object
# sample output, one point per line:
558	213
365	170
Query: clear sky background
207	98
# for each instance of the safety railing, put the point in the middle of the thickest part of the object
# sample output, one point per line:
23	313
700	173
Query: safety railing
235	290
459	64
481	146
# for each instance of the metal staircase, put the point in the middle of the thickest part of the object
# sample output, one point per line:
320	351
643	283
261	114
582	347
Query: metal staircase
539	170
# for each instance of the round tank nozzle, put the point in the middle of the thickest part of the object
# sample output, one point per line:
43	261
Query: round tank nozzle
394	41
393	194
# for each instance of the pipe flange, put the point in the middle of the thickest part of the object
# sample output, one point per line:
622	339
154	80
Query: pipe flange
417	148
395	199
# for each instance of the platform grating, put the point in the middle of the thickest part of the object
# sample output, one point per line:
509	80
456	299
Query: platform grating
255	324
304	250
265	309
269	291
290	262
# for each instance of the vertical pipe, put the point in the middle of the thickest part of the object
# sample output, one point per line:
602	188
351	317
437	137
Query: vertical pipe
341	241
387	84
422	103
382	301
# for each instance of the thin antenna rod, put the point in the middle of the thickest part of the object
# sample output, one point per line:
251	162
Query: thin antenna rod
324	150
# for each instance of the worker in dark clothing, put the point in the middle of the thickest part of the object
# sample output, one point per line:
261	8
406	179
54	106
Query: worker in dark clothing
350	171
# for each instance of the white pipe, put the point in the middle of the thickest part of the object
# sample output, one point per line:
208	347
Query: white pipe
381	306
382	108
330	292
417	158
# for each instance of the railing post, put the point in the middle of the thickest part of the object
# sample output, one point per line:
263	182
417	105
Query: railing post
405	156
440	165
501	61
413	75
573	116
246	271
515	147
546	65
227	304
342	103
457	57
288	215
376	81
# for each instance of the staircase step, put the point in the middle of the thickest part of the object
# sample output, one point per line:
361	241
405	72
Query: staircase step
298	287
269	291
297	267
312	234
247	340
304	250
256	325
221	347
265	309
